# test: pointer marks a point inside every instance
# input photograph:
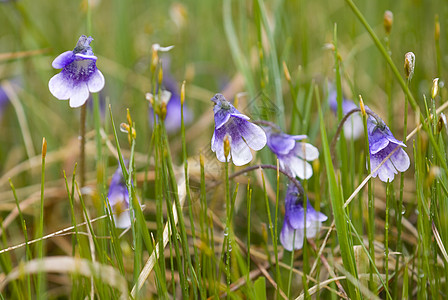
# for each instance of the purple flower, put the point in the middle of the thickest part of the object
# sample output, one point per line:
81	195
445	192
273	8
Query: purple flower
292	233
353	127
79	74
242	134
119	200
292	156
381	144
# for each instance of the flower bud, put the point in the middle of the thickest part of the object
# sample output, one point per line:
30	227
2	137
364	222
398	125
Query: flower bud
160	77
441	123
361	106
286	71
435	88
44	148
128	116
226	146
182	93
388	21
409	64
162	112
201	160
154	60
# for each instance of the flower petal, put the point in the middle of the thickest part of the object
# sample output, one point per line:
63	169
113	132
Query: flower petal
254	136
63	59
96	82
400	159
280	143
291	239
80	56
313	229
60	87
306	151
222	116
241	154
377	141
122	220
387	171
79	95
218	145
300	168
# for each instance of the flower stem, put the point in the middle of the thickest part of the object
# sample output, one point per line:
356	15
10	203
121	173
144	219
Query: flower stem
371	207
82	140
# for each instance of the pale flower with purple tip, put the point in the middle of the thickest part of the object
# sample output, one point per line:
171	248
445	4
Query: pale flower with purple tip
295	222
79	76
243	135
292	155
381	144
118	197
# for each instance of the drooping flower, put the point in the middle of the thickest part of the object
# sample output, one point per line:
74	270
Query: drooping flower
243	135
173	106
381	144
79	74
118	197
353	127
292	155
294	224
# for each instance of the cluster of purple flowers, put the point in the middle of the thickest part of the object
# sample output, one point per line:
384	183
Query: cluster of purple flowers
80	77
292	156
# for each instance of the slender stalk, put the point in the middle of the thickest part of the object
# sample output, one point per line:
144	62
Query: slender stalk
371	206
40	232
227	230
82	145
386	231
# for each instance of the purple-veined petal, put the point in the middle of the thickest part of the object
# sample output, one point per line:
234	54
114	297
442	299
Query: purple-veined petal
96	82
387	171
254	136
377	142
400	159
63	59
222	116
241	154
306	151
80	94
60	87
